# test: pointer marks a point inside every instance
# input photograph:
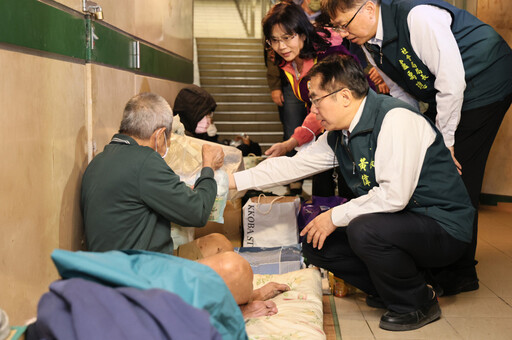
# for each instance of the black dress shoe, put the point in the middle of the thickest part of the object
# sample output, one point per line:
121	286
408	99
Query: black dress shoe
375	302
453	283
392	321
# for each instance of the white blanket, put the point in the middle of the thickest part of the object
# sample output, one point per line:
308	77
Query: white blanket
300	313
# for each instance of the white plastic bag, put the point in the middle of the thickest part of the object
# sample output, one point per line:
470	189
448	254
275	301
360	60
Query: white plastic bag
181	235
222	179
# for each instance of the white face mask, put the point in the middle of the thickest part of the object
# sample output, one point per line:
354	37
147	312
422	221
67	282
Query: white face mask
203	125
166	152
166	149
211	130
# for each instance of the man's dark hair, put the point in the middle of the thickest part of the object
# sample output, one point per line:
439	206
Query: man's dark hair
337	71
331	7
293	20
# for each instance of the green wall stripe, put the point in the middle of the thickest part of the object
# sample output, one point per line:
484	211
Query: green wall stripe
168	66
36	25
115	48
111	47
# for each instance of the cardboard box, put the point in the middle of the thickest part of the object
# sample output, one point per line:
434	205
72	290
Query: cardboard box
232	224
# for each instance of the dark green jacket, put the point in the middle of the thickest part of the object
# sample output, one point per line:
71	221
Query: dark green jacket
440	192
486	56
130	196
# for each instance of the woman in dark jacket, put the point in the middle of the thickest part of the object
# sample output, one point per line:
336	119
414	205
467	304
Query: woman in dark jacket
195	106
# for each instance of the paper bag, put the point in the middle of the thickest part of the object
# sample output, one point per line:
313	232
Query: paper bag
270	221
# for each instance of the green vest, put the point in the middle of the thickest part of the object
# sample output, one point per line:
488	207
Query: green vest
486	56
440	192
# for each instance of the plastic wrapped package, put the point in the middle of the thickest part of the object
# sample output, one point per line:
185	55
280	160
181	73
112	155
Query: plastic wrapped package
185	159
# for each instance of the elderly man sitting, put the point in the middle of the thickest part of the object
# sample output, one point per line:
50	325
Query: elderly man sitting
130	195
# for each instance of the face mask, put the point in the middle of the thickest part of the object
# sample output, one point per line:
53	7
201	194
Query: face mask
212	130
166	149
315	5
203	125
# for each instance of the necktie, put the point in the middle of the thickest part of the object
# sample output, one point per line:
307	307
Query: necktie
375	51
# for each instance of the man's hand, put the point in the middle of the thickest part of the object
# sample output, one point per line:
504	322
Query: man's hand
383	88
280	149
277	97
213	156
378	81
319	229
457	164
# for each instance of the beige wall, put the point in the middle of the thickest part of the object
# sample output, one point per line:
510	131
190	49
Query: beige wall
43	152
51	111
498	174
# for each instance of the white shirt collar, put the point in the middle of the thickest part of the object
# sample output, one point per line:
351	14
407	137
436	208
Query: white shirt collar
379	35
356	119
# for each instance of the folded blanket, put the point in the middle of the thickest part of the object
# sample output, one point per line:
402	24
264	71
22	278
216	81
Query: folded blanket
197	284
83	310
273	260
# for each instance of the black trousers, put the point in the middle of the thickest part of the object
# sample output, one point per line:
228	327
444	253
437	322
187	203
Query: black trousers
474	137
386	254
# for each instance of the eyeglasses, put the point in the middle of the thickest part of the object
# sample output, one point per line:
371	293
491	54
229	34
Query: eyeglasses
286	39
317	101
343	28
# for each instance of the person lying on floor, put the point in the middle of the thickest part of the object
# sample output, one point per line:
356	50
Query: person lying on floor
130	196
411	211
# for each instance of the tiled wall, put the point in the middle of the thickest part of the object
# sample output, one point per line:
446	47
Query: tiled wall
53	108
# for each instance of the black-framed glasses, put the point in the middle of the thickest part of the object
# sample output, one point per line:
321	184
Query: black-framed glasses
286	39
343	28
317	101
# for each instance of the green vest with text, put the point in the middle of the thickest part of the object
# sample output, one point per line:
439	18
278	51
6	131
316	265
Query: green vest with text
486	56
440	192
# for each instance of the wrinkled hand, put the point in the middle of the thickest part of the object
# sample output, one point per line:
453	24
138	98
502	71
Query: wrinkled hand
213	156
457	164
277	97
319	229
255	309
269	291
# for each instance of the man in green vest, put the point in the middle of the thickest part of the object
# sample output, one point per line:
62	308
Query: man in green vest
431	51
411	211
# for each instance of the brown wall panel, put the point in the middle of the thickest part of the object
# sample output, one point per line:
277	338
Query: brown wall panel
42	143
498	173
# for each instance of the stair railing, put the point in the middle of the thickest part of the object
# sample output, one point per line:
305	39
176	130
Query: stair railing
246	10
